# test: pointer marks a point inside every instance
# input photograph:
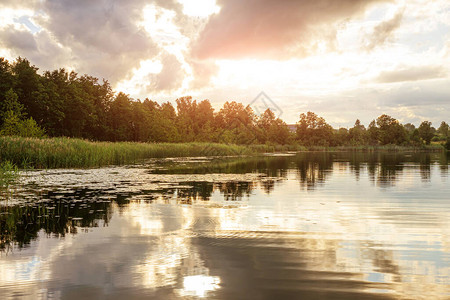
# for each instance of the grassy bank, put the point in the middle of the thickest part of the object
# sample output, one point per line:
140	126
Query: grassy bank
76	153
362	148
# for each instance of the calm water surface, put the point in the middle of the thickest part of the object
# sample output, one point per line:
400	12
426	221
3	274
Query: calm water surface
303	226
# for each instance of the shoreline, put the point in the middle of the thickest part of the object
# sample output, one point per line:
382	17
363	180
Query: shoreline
50	153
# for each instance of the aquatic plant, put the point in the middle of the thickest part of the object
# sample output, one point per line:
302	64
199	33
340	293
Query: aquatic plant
8	173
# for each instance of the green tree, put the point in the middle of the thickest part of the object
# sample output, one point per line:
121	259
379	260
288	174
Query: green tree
341	137
415	138
236	124
409	127
13	119
390	131
11	104
271	129
6	78
373	133
426	132
357	134
313	130
121	117
443	129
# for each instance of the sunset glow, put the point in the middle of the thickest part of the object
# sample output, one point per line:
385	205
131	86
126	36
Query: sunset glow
374	56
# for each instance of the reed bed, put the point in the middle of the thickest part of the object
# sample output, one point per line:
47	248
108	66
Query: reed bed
8	173
77	153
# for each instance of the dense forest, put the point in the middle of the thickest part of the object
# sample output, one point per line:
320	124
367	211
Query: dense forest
62	103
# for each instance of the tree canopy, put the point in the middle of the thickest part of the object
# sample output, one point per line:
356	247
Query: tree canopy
63	103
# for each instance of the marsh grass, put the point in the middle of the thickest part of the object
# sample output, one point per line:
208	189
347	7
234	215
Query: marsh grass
8	173
77	153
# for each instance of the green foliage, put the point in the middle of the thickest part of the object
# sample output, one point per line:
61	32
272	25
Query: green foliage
13	125
426	132
409	127
69	152
312	130
358	134
8	173
390	131
272	130
443	130
13	119
415	138
11	105
63	103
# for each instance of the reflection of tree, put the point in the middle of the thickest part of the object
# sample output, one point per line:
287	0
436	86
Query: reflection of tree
60	214
312	168
196	191
268	185
270	166
385	168
388	173
425	167
443	163
235	190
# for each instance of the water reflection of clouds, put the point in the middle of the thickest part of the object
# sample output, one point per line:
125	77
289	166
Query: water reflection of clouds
385	229
199	285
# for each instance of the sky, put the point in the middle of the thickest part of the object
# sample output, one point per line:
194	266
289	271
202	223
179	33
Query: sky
342	59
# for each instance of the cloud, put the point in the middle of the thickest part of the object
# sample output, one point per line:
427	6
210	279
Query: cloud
202	72
103	36
384	31
271	28
21	40
39	48
19	3
170	78
412	74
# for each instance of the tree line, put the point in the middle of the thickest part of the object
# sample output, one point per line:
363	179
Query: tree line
63	103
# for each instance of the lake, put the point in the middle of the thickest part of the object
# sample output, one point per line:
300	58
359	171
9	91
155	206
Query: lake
287	226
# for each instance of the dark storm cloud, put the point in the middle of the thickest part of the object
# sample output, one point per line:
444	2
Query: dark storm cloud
412	74
272	28
383	31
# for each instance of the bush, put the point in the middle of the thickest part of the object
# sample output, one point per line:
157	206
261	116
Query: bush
13	125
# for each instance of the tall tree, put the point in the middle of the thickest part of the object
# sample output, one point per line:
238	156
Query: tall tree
357	134
426	132
443	129
28	86
313	130
390	131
